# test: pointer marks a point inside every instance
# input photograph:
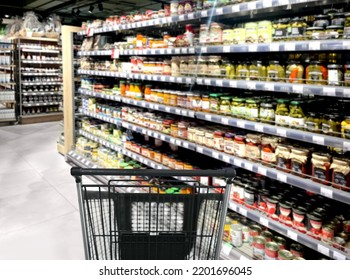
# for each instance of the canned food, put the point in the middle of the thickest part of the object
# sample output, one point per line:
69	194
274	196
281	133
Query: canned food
299	219
285	255
346	226
339	243
297	250
254	231
271	251
267	235
259	247
328	233
236	235
245	234
281	242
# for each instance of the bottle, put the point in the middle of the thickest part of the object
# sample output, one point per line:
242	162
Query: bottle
189	34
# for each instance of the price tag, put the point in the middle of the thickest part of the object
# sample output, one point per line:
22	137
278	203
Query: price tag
188	80
208	117
144	131
179	80
259	127
262	171
157	21
237	162
115	53
251	85
264	221
153	51
162	137
172	79
330	91
326	192
253	48
219	83
235	8
346	146
248	166
219	11
233	84
318	140
185	144
204	13
315	46
338	256
162	51
269	86
90	32
251	6
177	50
162	78
207	81
298	88
167	109
226	49
204	49
169	19
215	155
181	17
346	44
243	211
289	46
322	249
178	143
190	16
281	132
226	159
184	50
267	3
293	235
178	111
241	124
226	249
200	150
153	165
224	121
282	177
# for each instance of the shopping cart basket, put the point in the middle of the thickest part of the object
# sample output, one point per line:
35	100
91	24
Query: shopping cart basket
153	214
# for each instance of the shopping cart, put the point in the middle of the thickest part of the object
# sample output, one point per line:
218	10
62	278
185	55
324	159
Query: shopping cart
168	215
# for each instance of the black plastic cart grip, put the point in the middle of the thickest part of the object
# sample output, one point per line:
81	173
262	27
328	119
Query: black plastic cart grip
78	171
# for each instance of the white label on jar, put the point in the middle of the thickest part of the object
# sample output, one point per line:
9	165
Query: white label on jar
268	114
205	105
282	120
252	152
239	149
333	76
296	122
252	112
268	156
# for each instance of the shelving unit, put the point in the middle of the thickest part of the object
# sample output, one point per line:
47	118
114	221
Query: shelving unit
243	10
39	79
8	112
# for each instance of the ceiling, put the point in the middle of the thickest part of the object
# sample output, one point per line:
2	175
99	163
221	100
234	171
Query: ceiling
64	8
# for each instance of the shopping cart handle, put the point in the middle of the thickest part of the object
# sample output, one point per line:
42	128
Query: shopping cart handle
78	171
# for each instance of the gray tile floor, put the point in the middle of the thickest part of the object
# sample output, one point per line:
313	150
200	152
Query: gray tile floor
39	217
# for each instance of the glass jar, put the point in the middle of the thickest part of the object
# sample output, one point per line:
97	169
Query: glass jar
214	102
338	19
209	139
268	149
334	32
202	68
345	127
239	146
219	140
227	36
252	109
331	124
347	75
205	103
166	97
314	33
283	157
175	66
295	72
192	65
122	88
335	74
238	107
166	71
251	32
213	69
321	168
298	28
281	29
204	34
253	147
173	98
321	21
183	66
160	96
182	131
230	71
200	134
340	170
174	130
239	35
313	122
196	102
257	71
282	112
264	31
191	131
215	34
225	105
316	73
296	115
228	143
267	112
174	7
242	71
181	99
299	161
275	72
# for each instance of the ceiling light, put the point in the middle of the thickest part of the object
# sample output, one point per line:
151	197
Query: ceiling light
100	7
91	9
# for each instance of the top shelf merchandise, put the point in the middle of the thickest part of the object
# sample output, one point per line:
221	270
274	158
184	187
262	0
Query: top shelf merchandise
39	77
191	87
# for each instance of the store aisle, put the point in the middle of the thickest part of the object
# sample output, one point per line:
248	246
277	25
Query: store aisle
39	217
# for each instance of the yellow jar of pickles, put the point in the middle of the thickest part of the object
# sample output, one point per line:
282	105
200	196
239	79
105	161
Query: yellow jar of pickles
238	107
242	71
275	72
257	71
265	31
225	105
251	32
227	36
239	36
345	128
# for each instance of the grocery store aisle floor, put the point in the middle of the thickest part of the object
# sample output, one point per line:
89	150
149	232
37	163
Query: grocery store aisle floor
39	217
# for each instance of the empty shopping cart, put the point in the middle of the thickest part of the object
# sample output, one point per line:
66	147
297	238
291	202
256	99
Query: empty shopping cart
153	214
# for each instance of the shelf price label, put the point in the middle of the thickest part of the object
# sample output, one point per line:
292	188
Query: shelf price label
267	3
259	127
224	121
219	83
262	171
338	256
326	192
204	13
315	46
235	8
322	249
226	249
248	166
253	48
177	50
251	85
115	54
226	49
241	124
207	81
190	16
282	177
185	144
226	159
318	139
281	132
237	162
289	46
293	235
215	155
264	221
329	91
208	117
243	211
200	150
298	88
219	11
269	86
233	84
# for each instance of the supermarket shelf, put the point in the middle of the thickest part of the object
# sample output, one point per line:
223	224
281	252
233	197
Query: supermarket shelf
100	117
255	6
41	61
7	66
176	141
167	51
102	73
310	242
37	118
40	104
7	120
95	53
8	84
42	93
319	139
7	101
101	141
44	39
42	83
290	133
5	50
41	74
228	252
334	91
39	50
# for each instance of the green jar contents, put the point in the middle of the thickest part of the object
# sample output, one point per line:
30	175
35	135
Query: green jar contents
345	128
265	31
313	122
335	74
251	32
331	124
281	29
298	28
282	112
239	35
296	115
314	33
267	112
238	107
316	73
257	71
275	72
225	105
214	102
347	20
230	71
242	71
224	68
334	32
252	110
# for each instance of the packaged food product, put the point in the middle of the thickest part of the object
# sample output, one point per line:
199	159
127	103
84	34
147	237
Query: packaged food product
228	143
239	146
214	102
338	19
215	33
331	124
253	146
225	105
227	36
242	71
282	112
267	112
264	31
316	73
340	170
275	72
239	36
314	33
252	109
321	168
296	115
345	127
298	28
251	32
283	157
268	149
219	140
295	72
213	69
175	66
257	71
204	34
205	103
299	158
335	74
238	107
347	75
281	29
313	122
321	21
334	32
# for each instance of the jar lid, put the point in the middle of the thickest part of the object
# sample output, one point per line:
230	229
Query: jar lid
314	28
296	19
295	102
266	105
313	114
322	17
252	101
122	82
334	66
315	62
274	62
229	135
237	99
225	97
335	27
282	101
214	95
